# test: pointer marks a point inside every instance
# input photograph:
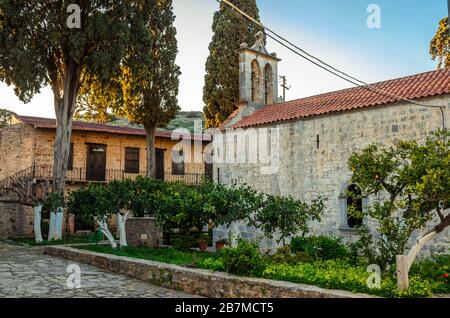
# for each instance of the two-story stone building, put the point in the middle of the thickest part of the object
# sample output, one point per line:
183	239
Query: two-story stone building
99	153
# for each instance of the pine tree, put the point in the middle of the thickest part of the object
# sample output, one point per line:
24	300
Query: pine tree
40	47
221	90
154	85
148	80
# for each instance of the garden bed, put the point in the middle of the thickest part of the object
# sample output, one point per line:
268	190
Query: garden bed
195	281
330	274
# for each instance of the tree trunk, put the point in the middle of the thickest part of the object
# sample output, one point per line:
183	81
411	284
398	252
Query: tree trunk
235	234
121	221
104	228
150	131
65	106
51	226
59	220
404	262
37	224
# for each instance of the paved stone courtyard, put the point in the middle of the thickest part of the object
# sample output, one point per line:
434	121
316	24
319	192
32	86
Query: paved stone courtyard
26	272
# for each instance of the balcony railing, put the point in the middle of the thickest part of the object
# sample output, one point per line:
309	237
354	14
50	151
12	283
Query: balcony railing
81	175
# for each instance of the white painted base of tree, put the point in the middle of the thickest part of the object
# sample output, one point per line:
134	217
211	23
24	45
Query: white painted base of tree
404	262
235	234
37	224
121	221
56	225
104	228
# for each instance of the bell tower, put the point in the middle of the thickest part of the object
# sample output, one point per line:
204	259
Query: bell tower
258	79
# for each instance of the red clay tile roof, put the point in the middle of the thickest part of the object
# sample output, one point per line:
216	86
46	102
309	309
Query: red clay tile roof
230	118
49	123
411	87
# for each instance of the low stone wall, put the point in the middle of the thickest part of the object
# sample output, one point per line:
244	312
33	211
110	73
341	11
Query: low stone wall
196	281
17	220
143	232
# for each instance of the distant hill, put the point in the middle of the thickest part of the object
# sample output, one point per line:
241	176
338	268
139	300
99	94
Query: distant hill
183	120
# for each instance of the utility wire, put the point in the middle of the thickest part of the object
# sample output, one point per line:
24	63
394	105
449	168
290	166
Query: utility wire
316	61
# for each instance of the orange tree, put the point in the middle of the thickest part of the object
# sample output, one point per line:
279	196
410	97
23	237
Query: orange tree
413	181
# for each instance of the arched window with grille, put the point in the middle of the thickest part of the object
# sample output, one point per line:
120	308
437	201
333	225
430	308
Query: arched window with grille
268	87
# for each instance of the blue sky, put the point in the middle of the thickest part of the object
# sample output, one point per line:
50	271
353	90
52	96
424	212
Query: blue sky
334	30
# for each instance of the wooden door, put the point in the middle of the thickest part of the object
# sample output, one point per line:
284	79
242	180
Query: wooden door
96	163
160	164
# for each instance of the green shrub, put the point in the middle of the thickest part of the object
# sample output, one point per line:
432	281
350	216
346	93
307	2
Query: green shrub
243	260
339	274
435	270
321	247
284	255
96	237
363	250
212	264
184	242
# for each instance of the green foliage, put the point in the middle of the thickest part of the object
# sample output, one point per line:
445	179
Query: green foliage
214	264
68	240
321	247
243	260
146	193
147	82
229	204
221	90
363	249
284	255
186	120
184	242
5	117
436	270
183	208
91	203
440	45
287	216
96	237
38	49
153	86
414	181
338	274
204	238
53	201
164	255
331	274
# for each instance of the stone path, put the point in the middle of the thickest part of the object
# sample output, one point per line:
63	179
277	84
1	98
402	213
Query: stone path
26	272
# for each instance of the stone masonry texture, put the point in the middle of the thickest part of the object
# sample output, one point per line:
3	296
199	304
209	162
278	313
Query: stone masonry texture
143	232
26	273
195	281
305	171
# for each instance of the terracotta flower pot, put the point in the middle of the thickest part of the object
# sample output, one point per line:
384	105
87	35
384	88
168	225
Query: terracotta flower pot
219	246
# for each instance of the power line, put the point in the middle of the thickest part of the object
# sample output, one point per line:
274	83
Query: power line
318	62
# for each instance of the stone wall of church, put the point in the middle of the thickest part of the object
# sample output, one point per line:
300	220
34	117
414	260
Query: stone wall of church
306	170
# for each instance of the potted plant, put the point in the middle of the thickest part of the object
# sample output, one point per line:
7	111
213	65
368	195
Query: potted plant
220	244
203	241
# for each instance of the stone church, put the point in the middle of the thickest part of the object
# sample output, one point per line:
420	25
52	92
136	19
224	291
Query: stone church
310	139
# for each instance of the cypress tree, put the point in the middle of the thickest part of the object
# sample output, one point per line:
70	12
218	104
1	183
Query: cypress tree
221	90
